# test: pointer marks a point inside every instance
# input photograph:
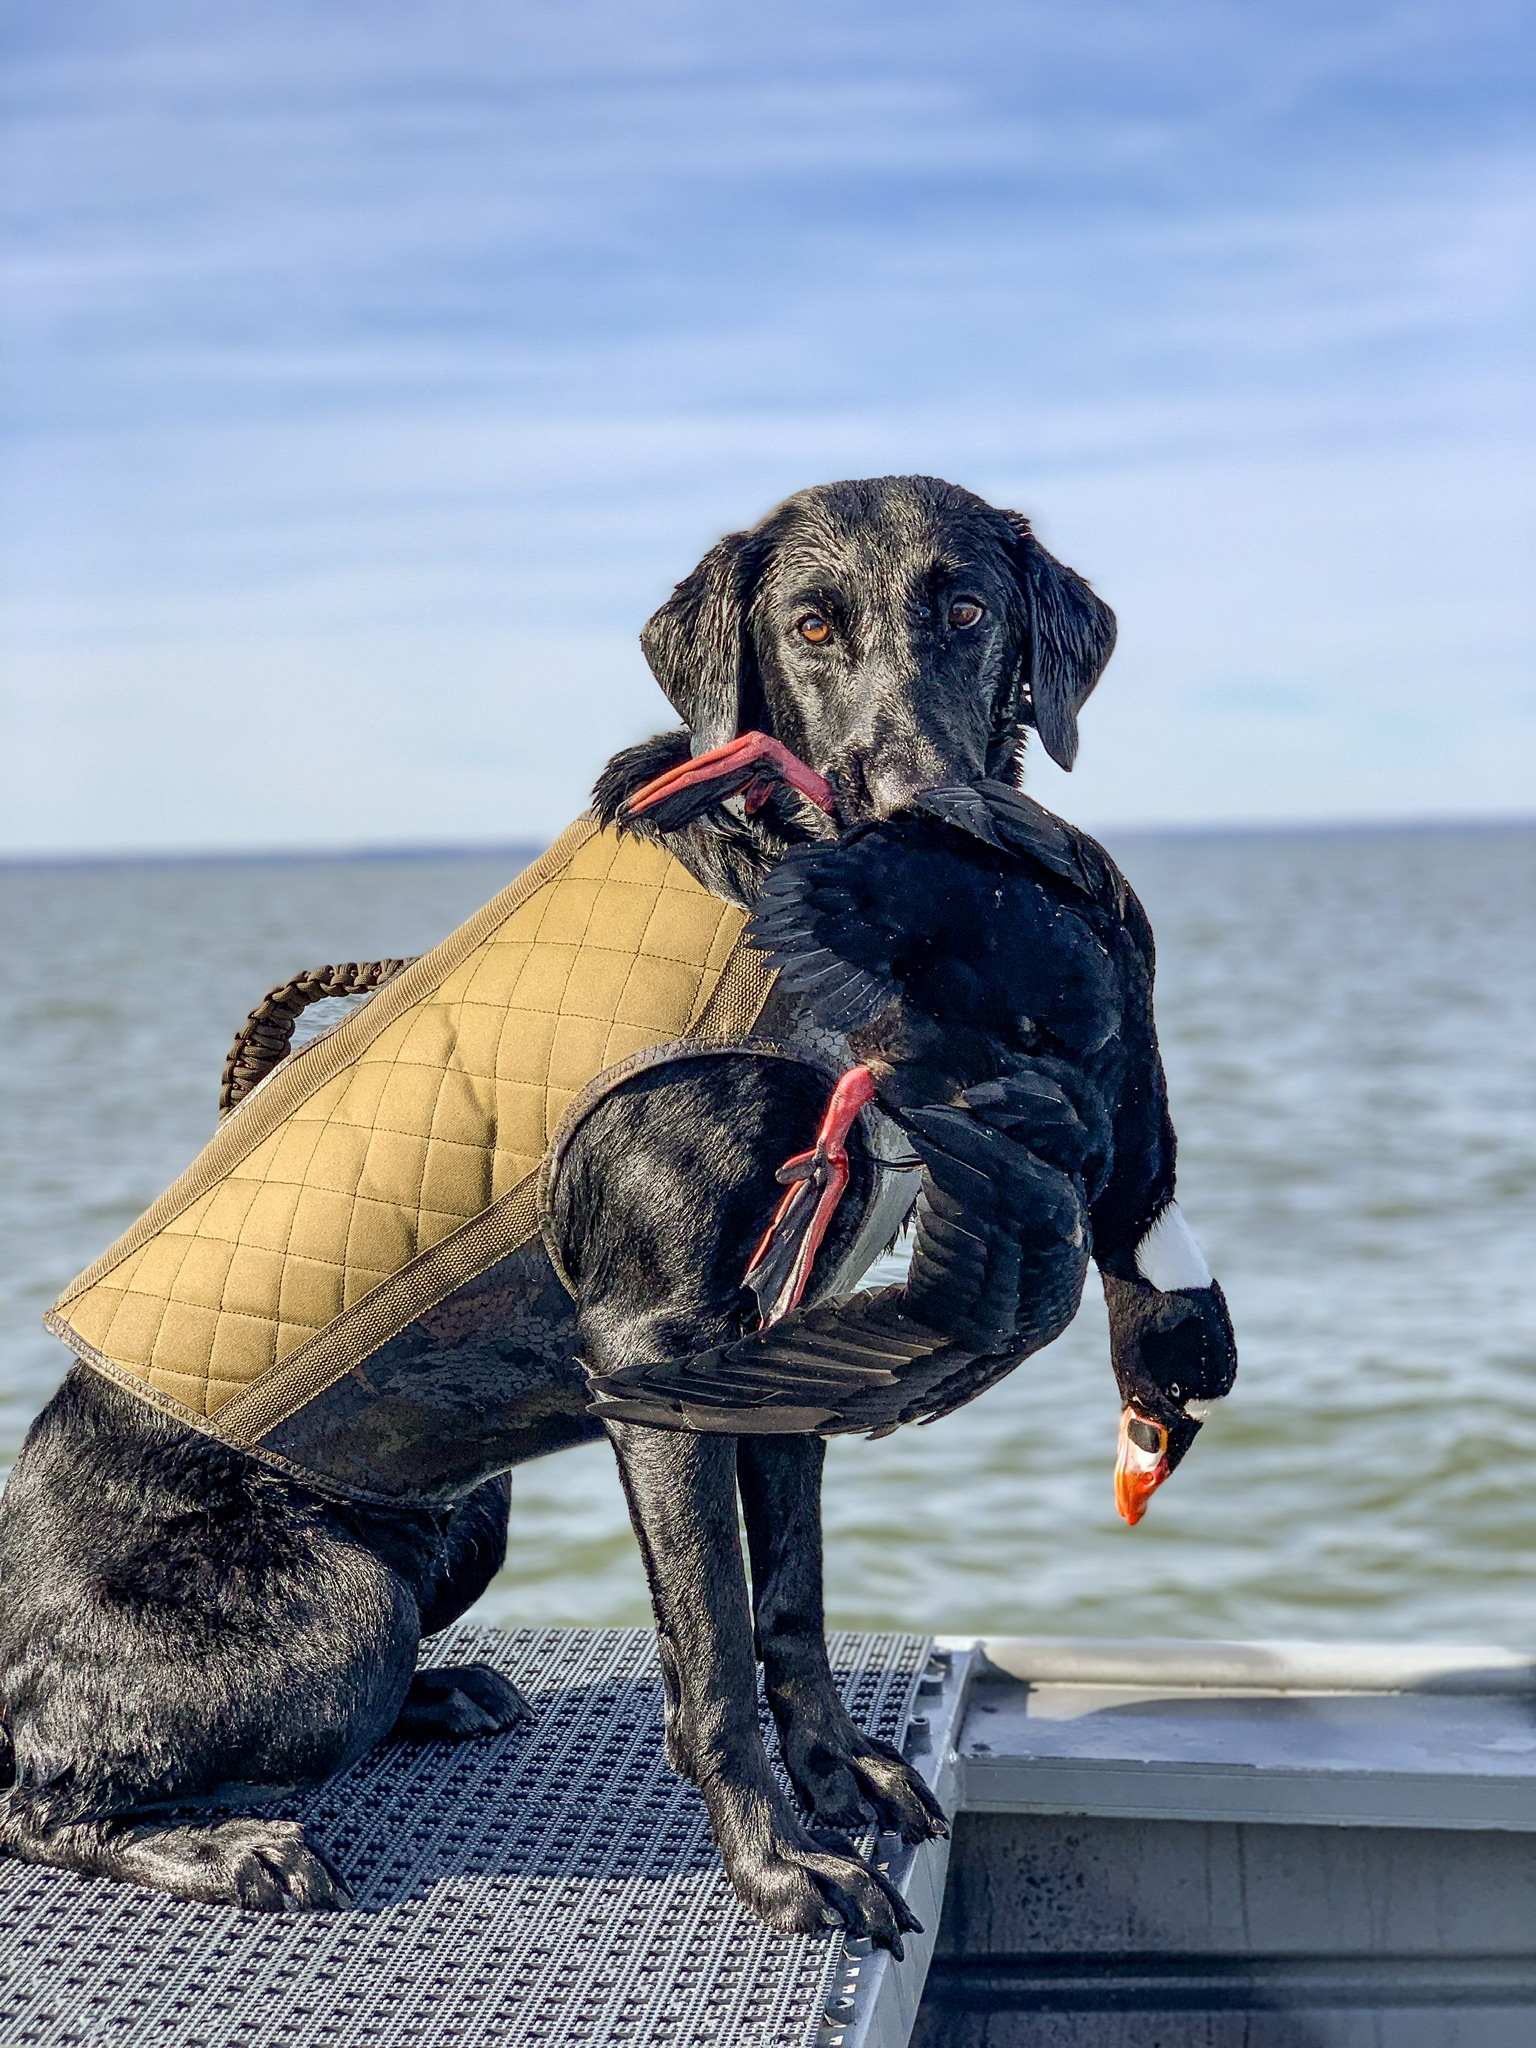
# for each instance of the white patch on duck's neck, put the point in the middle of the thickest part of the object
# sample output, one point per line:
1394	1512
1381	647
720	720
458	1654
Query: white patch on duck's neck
1168	1256
1201	1411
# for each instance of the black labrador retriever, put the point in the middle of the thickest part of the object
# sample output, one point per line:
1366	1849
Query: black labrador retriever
185	1636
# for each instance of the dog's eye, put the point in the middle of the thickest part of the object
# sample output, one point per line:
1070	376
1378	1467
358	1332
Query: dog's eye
965	611
813	627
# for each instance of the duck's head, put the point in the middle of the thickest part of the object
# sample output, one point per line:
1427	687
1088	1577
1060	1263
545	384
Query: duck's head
1174	1355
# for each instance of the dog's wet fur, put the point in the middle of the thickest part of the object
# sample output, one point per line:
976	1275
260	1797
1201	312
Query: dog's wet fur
187	1638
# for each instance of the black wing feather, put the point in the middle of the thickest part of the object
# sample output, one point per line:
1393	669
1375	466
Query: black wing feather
1004	817
824	936
997	1267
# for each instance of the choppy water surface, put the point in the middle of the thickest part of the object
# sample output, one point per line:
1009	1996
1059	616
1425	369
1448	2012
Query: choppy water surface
1349	1024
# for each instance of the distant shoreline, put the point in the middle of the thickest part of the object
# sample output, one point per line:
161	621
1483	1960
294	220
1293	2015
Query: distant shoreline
528	849
269	857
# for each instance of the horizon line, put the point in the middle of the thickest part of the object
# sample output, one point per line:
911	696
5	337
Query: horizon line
529	848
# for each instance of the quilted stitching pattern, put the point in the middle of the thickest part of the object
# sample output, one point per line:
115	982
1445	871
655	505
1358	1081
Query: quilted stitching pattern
449	1108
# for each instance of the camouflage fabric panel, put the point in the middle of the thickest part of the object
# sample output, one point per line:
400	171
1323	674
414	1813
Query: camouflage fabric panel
473	1386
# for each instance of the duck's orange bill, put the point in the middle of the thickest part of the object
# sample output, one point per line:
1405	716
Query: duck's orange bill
753	762
1141	1464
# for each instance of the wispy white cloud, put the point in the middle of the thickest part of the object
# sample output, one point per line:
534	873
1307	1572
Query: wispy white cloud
361	341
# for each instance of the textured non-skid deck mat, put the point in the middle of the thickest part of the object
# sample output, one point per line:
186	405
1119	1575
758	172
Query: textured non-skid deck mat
556	1885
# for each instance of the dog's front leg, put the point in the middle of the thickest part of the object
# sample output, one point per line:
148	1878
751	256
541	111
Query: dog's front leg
835	1767
682	1499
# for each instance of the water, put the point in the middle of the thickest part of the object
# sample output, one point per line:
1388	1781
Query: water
1349	1024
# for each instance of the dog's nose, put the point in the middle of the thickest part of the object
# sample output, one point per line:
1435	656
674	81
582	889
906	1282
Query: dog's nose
893	746
888	785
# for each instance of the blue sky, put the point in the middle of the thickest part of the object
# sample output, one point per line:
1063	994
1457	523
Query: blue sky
374	369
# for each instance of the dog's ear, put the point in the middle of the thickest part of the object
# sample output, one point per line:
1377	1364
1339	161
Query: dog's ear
1071	637
699	648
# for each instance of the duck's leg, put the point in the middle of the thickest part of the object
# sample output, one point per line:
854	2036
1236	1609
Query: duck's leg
751	764
834	1766
780	1268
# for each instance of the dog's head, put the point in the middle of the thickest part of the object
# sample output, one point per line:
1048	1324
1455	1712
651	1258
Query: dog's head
894	633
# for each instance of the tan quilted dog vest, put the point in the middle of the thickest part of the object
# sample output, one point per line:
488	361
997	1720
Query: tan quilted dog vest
395	1160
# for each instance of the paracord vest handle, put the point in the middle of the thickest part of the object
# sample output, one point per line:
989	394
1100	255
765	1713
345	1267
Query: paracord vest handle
265	1038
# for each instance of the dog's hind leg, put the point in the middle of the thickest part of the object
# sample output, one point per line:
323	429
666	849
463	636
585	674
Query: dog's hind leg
834	1766
471	1551
682	1498
454	1702
182	1634
266	1865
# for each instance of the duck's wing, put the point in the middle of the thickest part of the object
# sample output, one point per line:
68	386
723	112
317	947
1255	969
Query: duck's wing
997	1270
818	1372
1004	817
826	921
839	920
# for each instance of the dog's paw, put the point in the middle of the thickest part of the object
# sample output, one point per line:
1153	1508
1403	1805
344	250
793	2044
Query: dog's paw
802	1884
456	1702
844	1776
799	1880
266	1866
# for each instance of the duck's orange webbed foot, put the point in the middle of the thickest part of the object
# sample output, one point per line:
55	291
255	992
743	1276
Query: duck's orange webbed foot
781	1265
749	766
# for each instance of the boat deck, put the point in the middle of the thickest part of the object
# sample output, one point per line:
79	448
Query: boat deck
551	1886
1214	1846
